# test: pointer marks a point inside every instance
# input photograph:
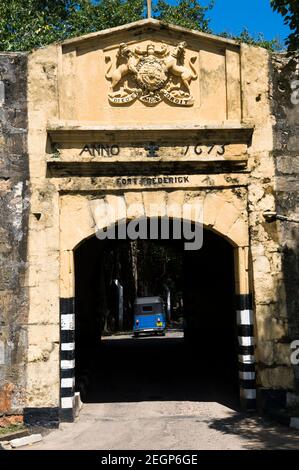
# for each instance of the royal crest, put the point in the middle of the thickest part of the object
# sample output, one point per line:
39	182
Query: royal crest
156	75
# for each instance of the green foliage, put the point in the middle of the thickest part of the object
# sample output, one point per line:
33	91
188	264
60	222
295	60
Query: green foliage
28	24
188	13
25	24
10	429
289	9
260	41
102	14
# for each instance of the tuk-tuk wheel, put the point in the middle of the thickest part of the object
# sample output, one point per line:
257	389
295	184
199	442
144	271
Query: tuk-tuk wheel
136	335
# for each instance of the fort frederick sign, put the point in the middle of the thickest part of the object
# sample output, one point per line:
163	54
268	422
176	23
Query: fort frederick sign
152	181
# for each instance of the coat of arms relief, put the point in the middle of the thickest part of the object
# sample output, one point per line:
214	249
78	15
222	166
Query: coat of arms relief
155	75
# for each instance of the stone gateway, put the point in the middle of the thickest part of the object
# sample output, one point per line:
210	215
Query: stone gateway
138	116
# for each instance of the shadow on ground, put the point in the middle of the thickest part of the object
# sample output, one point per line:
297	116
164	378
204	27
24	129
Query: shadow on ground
160	369
257	432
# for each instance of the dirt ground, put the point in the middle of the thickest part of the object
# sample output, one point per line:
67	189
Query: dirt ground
167	425
154	394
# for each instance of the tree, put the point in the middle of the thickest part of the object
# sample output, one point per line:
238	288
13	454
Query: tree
95	15
188	13
289	9
259	40
28	24
25	24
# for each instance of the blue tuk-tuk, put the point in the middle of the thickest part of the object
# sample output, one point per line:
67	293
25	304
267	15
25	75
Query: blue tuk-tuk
149	316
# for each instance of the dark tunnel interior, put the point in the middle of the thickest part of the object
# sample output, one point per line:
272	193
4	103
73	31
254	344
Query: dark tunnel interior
196	361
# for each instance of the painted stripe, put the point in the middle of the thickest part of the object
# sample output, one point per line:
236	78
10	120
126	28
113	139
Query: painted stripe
247	384
67	402
67	373
250	405
245	317
67	346
246	359
67	336
67	364
247	375
246	350
68	321
67	305
246	341
248	394
245	330
67	355
244	302
294	423
66	392
244	367
67	415
67	383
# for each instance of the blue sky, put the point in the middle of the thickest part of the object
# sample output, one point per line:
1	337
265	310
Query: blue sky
256	15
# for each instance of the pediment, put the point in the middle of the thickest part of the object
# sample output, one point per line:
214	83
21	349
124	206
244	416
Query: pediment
130	73
150	26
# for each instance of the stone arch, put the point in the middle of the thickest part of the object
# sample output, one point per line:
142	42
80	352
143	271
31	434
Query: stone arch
80	216
224	213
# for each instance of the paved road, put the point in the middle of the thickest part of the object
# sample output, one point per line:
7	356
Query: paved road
167	425
155	393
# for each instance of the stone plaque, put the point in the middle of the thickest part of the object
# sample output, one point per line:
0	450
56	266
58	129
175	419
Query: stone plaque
158	74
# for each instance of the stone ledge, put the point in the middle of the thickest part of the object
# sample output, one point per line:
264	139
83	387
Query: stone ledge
65	131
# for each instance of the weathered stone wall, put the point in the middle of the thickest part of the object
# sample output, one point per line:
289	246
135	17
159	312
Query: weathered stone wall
14	203
58	211
285	107
267	283
234	204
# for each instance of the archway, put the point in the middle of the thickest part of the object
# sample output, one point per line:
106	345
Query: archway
235	241
201	367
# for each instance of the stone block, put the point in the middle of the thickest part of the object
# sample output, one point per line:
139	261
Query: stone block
281	353
292	399
6	397
154	203
5	445
276	377
271	399
26	441
43	384
226	218
265	352
294	423
2	93
115	209
239	233
270	328
212	207
79	217
262	265
135	206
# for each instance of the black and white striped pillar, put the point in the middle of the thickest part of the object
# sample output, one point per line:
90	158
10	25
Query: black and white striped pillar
246	351
67	359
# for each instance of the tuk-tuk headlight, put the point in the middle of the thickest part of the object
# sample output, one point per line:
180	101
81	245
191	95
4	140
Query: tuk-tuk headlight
137	322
